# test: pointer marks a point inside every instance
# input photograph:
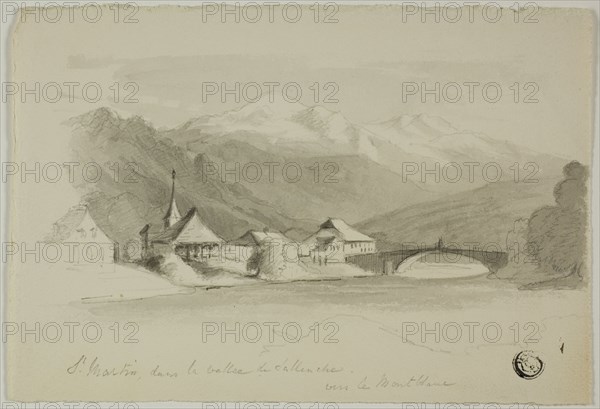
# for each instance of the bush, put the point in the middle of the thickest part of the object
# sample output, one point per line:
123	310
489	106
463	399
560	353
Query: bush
153	263
177	271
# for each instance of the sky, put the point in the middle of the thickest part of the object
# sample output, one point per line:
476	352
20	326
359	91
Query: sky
367	62
366	66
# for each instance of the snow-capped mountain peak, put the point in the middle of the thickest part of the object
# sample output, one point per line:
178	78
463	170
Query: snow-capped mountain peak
318	131
418	125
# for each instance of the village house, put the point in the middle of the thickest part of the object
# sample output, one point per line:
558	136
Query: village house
335	241
246	245
83	241
185	236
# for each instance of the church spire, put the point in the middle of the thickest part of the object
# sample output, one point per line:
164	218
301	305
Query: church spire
172	216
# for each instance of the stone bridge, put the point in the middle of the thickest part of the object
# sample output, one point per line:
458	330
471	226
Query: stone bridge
387	262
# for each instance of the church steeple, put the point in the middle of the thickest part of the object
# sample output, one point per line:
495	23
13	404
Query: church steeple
173	215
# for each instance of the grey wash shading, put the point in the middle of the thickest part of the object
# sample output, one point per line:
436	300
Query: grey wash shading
368	214
368	269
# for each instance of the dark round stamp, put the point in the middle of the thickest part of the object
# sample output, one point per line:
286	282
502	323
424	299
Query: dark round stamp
528	365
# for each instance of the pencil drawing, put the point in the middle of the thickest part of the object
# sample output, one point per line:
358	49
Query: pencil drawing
181	201
340	203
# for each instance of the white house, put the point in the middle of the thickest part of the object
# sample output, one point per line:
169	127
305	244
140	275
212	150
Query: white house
82	240
335	240
246	245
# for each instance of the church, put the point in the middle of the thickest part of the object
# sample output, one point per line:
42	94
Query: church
186	236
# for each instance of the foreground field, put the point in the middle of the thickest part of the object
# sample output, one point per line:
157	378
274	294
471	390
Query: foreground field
373	339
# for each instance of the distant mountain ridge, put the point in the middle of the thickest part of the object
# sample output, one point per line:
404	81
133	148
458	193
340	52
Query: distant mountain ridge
481	217
349	171
141	194
410	137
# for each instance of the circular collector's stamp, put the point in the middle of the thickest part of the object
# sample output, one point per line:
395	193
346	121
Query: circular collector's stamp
528	365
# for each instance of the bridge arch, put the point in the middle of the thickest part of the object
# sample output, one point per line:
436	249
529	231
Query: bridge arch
451	265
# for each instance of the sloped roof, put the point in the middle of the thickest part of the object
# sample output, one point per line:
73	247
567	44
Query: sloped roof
196	231
321	235
254	237
347	233
326	240
64	226
328	232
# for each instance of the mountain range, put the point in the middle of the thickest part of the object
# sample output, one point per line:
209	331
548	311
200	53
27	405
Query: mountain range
284	166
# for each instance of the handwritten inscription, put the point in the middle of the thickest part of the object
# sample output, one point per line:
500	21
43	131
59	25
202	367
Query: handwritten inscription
93	367
384	382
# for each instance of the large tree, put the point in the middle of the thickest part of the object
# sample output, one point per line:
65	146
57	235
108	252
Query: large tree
557	234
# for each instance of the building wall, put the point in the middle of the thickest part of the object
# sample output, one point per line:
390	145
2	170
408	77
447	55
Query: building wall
198	251
333	252
160	249
82	253
88	232
89	244
359	247
238	252
338	251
